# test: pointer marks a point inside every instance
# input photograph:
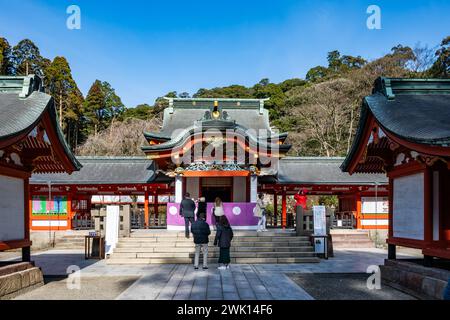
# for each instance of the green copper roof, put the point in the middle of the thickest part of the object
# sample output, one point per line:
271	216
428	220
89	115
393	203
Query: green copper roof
416	110
221	102
22	105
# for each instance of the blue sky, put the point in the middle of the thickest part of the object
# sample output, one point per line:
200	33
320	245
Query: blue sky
148	48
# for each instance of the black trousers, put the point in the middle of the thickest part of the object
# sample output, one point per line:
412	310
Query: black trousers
224	255
188	220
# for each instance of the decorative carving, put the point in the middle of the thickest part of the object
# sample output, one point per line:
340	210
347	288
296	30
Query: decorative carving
393	145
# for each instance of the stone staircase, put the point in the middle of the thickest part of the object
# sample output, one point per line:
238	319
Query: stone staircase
351	239
153	247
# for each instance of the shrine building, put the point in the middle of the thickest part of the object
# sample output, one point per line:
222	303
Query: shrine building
209	148
30	142
404	132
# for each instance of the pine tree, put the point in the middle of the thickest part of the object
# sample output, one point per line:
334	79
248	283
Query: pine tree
59	84
5	57
27	59
94	108
114	107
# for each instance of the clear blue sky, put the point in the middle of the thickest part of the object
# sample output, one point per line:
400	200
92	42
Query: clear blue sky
148	48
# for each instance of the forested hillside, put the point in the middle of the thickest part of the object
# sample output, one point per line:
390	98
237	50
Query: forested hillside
320	111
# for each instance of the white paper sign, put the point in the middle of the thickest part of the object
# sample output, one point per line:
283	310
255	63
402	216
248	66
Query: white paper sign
320	221
112	228
373	205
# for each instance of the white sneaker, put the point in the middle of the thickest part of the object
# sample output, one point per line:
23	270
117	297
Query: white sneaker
259	230
222	268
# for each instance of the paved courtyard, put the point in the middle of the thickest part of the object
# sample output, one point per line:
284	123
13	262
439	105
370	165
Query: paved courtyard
171	281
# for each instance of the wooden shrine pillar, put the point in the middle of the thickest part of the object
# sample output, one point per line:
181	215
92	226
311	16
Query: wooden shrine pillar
155	208
283	210
26	251
146	213
359	214
275	211
69	211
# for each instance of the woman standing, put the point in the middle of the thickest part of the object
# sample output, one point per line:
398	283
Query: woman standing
217	211
260	212
224	235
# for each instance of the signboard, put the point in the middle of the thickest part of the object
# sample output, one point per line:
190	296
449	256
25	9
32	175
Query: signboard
112	228
371	205
320	228
320	221
41	205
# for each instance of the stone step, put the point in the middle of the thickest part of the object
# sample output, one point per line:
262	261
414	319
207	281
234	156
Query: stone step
235	238
350	236
154	255
112	261
212	249
190	244
237	233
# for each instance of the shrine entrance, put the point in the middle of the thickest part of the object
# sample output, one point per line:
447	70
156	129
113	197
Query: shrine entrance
211	193
213	187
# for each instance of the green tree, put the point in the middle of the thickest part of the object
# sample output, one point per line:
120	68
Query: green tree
59	84
289	84
5	57
68	98
114	107
441	67
27	59
141	111
317	74
275	104
184	95
94	108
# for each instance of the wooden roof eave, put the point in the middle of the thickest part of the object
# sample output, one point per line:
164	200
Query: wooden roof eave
420	148
59	147
358	155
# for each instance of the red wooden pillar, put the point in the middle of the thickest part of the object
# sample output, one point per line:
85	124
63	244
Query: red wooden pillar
283	209
155	207
358	211
26	251
27	209
275	208
146	213
69	211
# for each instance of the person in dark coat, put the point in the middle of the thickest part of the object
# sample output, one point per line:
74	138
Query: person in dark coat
201	231
224	235
187	210
201	206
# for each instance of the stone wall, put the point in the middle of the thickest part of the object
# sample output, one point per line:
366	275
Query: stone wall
16	279
415	279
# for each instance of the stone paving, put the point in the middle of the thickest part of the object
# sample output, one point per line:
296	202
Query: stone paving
241	281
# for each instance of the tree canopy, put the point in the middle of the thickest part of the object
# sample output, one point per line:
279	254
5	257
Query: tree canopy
320	112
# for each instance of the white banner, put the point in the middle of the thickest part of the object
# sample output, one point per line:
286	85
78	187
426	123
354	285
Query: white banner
112	228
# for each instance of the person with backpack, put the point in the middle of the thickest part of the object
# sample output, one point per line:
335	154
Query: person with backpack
201	231
224	235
